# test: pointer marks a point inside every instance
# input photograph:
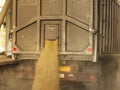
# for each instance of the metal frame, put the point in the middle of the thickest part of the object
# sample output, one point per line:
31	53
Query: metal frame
62	39
16	28
70	19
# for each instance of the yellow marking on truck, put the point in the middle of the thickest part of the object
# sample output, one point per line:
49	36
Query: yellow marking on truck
64	68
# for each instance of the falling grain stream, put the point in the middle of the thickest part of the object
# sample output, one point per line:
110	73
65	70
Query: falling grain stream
46	73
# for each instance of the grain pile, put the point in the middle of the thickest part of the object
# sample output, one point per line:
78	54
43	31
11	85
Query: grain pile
46	74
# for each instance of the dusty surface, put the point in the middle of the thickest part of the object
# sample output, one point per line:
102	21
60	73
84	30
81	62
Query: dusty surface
4	58
46	74
16	76
117	86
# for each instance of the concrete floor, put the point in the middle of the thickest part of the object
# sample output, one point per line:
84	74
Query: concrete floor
112	74
117	86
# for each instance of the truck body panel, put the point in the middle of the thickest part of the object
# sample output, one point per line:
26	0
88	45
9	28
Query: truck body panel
74	28
85	30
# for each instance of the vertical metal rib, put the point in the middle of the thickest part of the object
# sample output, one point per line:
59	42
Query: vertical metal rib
63	25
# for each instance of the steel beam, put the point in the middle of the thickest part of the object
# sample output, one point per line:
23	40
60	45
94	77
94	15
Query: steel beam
4	10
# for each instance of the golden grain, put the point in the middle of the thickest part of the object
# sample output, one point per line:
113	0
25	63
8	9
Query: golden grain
46	73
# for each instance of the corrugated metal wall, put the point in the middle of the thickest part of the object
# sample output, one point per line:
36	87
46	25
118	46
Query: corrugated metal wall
109	20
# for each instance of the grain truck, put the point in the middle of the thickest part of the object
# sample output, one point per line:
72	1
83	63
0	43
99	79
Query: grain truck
88	34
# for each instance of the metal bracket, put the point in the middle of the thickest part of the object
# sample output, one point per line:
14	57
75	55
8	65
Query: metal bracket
92	30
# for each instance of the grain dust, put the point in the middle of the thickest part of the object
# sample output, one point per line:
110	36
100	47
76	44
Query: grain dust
46	73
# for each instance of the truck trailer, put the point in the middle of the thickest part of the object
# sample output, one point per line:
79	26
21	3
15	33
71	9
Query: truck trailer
88	34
